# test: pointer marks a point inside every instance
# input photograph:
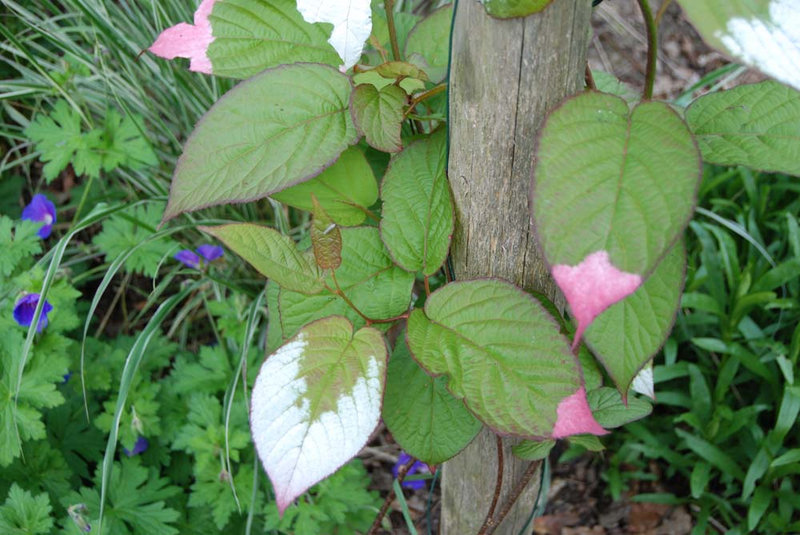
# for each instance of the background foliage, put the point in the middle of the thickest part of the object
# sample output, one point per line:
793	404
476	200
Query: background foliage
108	124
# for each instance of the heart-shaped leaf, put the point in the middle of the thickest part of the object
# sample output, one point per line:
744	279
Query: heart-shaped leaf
424	418
430	41
345	190
610	411
505	357
629	333
315	402
417	221
274	255
280	127
764	34
367	276
756	125
252	35
613	189
378	115
352	24
188	40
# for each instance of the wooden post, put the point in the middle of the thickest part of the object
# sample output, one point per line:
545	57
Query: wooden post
505	76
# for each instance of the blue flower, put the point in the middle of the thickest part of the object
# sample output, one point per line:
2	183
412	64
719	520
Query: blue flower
210	252
140	447
26	306
190	259
41	210
417	467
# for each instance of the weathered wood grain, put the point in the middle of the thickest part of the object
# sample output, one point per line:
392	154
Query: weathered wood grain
505	76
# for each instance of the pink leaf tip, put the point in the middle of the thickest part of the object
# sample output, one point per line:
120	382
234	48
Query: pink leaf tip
574	417
592	286
188	40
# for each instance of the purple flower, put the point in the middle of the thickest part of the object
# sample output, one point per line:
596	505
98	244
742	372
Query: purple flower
210	252
140	447
192	260
26	306
417	467
188	258
43	211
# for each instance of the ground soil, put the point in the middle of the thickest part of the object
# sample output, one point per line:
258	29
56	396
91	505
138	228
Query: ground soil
577	501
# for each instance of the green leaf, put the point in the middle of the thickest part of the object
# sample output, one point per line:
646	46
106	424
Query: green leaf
19	242
124	144
21	411
278	128
711	453
135	502
423	417
756	125
608	83
504	356
367	276
397	70
588	442
604	211
378	115
274	255
764	34
418	219
506	9
345	190
629	333
532	450
251	36
430	42
128	229
315	403
24	513
701	475
610	411
59	138
758	506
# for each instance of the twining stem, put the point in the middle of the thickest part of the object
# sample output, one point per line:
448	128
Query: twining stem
388	5
424	96
652	49
515	494
497	488
401	475
661	10
427	286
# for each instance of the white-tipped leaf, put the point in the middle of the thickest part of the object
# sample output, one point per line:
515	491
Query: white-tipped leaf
315	403
352	24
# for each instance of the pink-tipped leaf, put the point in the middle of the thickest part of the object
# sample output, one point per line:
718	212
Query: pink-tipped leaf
592	286
574	417
188	40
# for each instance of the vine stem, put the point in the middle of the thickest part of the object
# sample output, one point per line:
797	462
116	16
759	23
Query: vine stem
401	475
497	488
652	49
389	7
661	10
516	492
424	96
